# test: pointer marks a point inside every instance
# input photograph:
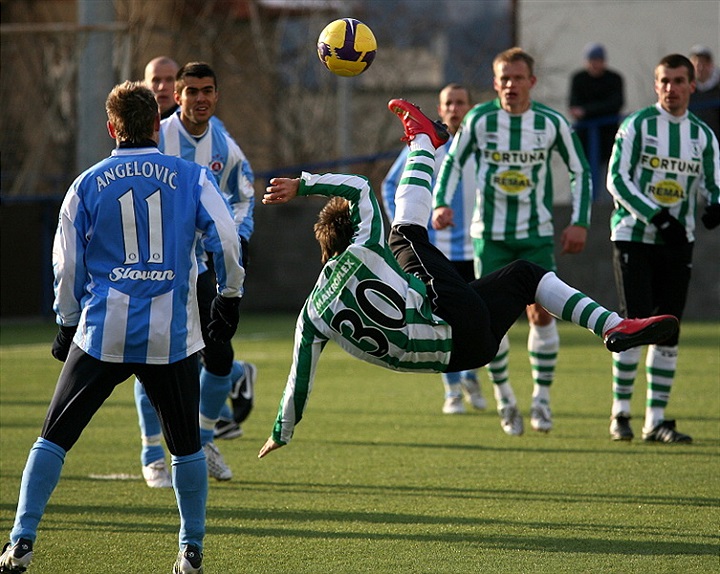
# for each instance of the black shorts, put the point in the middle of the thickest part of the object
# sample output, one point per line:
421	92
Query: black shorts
85	383
216	357
479	312
652	279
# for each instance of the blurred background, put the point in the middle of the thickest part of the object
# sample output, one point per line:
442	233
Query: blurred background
60	58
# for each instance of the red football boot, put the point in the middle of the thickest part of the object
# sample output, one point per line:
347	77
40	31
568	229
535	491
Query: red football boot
416	122
635	332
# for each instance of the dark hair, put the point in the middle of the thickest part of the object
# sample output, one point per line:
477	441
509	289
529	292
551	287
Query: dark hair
515	55
678	61
131	109
194	70
333	229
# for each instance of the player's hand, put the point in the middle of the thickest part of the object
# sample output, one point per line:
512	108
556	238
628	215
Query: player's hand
62	342
224	318
577	112
573	239
442	217
711	216
670	229
269	446
281	190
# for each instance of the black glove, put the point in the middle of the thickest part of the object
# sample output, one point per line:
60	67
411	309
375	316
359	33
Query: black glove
669	228
711	217
224	317
61	344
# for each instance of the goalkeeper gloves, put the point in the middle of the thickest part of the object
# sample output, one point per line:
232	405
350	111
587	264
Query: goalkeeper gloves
224	317
669	228
711	216
62	342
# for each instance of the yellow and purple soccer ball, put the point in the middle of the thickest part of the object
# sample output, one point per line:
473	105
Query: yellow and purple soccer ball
347	47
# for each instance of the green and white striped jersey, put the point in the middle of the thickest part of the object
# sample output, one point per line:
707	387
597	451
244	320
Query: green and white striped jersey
660	161
514	198
364	302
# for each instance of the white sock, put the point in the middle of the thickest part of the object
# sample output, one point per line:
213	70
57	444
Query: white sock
543	346
413	198
660	366
624	371
569	304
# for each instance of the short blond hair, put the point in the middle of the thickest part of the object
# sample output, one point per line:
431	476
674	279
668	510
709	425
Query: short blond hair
515	54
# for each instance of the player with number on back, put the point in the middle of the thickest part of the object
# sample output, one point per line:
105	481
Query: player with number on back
125	292
400	303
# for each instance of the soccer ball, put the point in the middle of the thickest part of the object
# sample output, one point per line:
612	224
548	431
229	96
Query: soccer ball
347	47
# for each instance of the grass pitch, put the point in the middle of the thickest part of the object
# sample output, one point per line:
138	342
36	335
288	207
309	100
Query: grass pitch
377	480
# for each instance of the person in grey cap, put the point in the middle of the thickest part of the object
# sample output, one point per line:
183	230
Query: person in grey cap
596	97
705	102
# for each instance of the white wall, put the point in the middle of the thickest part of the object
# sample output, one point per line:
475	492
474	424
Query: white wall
636	35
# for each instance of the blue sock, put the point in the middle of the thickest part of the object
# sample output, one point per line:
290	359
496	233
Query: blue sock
190	481
39	479
238	370
451	382
213	394
226	412
150	429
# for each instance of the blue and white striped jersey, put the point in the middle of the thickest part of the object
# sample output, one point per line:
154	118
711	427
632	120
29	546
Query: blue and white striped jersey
455	242
217	151
124	256
661	161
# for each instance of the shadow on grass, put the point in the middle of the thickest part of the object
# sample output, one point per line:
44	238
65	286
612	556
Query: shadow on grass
354	525
623	449
344	489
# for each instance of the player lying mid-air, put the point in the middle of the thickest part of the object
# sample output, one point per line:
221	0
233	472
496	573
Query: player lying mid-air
400	303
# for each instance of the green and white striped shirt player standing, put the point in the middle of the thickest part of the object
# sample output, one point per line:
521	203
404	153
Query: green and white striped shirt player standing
515	182
660	161
663	159
512	140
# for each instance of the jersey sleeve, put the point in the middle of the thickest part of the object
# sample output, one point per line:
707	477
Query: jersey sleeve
451	170
391	182
220	237
307	347
240	192
571	151
68	256
623	162
365	213
710	188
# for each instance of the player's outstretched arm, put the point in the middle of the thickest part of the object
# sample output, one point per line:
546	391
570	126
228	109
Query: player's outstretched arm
281	190
269	446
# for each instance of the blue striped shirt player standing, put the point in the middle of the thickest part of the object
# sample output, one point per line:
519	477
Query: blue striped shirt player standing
195	134
125	278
